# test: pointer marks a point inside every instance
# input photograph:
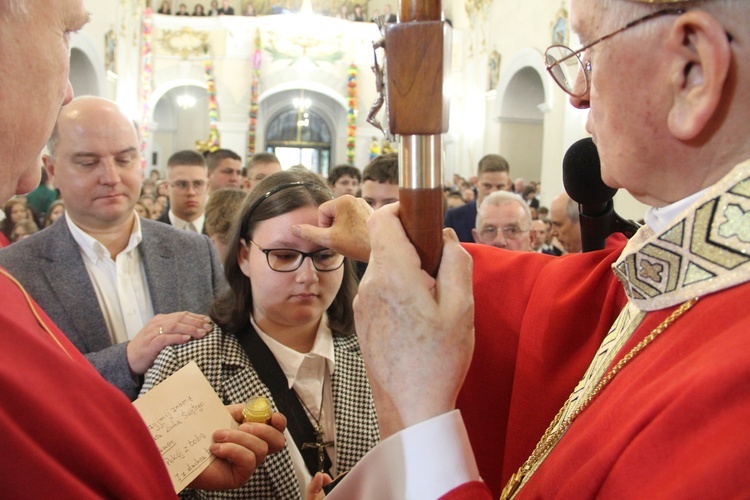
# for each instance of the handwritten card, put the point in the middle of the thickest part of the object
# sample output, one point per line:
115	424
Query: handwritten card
182	414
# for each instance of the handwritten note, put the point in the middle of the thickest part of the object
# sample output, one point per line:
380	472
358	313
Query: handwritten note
182	414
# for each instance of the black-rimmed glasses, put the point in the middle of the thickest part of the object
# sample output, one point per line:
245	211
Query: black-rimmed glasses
565	64
287	260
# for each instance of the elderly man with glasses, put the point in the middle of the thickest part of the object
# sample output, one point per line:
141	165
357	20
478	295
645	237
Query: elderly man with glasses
620	373
504	221
120	287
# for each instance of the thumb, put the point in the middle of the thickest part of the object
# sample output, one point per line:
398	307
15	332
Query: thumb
318	235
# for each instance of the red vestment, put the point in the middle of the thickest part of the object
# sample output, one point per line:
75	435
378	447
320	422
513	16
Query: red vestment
67	433
671	424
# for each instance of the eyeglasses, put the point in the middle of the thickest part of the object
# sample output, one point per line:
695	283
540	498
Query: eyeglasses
563	68
489	233
198	186
286	260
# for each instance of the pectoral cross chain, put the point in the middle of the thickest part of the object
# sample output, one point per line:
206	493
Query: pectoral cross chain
320	445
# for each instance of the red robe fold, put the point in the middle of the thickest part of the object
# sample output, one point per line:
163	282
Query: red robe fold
66	432
672	424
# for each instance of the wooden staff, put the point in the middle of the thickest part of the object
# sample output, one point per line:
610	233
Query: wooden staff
417	64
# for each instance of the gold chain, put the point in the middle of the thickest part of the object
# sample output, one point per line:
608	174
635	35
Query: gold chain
554	432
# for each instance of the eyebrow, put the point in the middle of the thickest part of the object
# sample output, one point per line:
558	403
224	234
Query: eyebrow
86	154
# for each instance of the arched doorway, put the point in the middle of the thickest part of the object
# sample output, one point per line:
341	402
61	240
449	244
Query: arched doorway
180	119
299	135
522	124
83	77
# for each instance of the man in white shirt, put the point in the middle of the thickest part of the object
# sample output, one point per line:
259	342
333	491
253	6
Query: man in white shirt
119	287
187	175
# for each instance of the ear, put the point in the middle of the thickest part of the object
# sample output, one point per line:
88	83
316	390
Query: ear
702	60
49	166
475	235
243	258
532	237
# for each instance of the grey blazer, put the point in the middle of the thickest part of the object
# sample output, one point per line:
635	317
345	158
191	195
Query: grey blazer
182	269
229	371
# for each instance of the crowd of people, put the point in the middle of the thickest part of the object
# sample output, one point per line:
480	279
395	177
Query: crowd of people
199	11
356	14
618	373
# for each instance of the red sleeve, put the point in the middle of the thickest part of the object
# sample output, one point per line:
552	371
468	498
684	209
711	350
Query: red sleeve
67	433
539	320
475	490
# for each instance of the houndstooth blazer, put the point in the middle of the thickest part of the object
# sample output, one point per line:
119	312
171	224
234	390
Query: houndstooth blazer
229	371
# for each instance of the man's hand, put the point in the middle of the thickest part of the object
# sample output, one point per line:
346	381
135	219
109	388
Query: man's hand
240	452
341	227
161	331
416	333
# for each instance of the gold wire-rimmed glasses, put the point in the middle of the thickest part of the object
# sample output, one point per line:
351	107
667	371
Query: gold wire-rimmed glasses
565	64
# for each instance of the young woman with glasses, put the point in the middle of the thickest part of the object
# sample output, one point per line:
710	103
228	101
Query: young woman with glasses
285	330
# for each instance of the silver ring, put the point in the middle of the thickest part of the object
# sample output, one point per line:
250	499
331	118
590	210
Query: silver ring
161	331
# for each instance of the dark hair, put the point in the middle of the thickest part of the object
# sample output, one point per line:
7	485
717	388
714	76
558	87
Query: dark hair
493	163
215	157
230	310
383	168
187	157
340	171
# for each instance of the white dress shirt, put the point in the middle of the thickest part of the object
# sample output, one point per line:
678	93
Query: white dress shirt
307	374
120	284
183	224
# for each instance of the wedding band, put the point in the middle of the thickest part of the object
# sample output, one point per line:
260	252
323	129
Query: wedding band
160	331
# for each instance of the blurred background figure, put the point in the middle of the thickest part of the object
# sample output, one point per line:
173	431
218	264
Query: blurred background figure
221	210
344	179
504	221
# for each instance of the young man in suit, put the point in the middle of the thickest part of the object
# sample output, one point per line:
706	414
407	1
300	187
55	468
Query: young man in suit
493	175
120	287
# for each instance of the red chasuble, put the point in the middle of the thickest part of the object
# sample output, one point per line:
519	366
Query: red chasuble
673	422
66	433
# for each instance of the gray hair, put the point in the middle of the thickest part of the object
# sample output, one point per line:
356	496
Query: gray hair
571	210
499	198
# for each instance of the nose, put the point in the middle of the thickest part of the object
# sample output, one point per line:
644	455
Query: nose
500	241
307	272
582	101
68	94
111	175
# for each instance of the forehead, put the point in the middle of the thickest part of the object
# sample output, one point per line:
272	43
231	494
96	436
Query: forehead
346	178
229	162
505	213
585	16
372	188
105	129
186	172
277	228
265	168
494	177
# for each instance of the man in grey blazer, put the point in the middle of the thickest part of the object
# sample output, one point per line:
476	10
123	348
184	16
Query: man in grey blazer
120	287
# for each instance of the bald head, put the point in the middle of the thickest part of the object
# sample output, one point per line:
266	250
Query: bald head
565	223
81	109
94	161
